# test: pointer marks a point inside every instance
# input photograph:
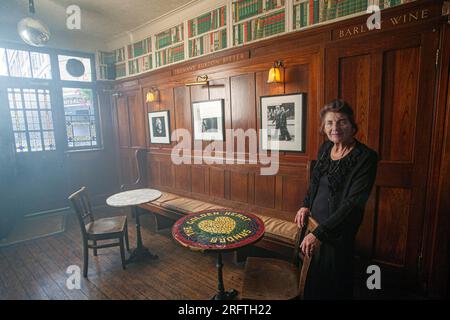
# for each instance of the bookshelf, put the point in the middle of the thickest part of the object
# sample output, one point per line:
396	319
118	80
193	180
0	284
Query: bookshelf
169	46
309	12
207	32
257	19
236	23
140	56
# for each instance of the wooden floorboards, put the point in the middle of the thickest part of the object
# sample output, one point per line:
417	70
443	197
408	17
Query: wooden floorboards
37	270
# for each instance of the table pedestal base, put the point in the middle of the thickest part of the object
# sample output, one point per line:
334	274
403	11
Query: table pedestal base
226	295
140	254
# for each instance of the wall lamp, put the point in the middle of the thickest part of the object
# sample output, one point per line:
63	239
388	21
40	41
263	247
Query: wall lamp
201	80
152	95
275	72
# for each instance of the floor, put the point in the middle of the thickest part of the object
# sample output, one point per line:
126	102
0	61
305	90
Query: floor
37	270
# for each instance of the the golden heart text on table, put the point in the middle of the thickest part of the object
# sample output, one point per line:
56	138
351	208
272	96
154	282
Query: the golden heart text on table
218	225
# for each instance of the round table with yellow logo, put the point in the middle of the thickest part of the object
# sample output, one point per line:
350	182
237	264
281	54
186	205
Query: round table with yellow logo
218	230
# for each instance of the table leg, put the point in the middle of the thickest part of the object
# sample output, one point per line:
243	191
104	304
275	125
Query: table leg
222	294
141	252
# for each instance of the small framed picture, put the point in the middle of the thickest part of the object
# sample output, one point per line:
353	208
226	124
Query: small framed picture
159	126
208	119
283	122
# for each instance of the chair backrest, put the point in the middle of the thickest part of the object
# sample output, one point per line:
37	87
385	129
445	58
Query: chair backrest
302	260
82	207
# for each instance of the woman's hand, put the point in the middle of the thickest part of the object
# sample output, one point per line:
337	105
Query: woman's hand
309	244
301	215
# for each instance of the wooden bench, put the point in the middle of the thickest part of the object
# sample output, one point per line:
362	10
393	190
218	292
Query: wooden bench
281	230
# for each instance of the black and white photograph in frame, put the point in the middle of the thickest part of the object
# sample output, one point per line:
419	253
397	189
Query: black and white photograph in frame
282	122
159	126
207	119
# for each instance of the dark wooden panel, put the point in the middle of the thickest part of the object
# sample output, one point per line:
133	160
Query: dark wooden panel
392	227
182	108
217	182
198	180
297	78
183	177
400	104
243	110
265	191
153	172
355	86
123	122
167	174
137	120
239	186
294	191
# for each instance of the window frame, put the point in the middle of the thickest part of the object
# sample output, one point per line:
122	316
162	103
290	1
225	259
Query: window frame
56	85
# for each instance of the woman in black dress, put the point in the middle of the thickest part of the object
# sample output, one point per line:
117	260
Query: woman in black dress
341	183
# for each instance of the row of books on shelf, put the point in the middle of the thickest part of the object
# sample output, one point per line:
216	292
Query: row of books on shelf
207	22
139	48
169	55
140	64
169	37
208	43
243	9
308	12
260	27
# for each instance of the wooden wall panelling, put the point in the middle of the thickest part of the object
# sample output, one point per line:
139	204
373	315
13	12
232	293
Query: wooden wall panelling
198	93
294	190
265	191
216	182
137	118
123	122
239	184
199	179
153	171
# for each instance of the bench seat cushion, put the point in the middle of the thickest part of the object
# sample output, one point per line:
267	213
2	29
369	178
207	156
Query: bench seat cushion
278	229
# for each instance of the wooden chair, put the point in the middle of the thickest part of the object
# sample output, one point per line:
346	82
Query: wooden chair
93	230
275	279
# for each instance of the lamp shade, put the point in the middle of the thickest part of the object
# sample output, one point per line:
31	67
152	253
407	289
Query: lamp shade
274	75
152	96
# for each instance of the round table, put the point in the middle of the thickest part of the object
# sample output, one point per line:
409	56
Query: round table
218	230
132	199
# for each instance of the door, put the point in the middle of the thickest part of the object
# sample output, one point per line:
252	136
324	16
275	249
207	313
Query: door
391	84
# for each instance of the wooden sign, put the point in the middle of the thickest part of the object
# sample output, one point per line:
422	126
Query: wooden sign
212	63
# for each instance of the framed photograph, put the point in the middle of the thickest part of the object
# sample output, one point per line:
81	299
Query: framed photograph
159	126
207	117
283	122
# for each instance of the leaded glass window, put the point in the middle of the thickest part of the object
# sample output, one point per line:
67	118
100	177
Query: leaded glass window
32	119
80	117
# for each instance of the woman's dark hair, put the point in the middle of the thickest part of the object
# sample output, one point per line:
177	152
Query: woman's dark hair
337	106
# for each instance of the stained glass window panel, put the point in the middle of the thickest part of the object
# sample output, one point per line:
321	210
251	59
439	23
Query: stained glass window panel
31	123
19	63
40	64
21	141
3	65
80	116
65	75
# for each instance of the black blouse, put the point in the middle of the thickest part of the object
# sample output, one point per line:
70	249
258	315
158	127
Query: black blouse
350	182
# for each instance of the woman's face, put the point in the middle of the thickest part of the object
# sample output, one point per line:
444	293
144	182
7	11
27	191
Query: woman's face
338	127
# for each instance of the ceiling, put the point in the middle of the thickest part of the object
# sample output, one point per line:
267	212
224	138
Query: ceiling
101	20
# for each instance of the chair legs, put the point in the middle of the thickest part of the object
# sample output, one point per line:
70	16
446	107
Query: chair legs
85	258
127	243
122	252
95	249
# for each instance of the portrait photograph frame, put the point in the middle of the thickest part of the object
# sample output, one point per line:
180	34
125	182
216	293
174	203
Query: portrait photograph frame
283	120
208	121
159	126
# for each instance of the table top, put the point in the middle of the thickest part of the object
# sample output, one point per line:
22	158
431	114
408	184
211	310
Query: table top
133	197
218	229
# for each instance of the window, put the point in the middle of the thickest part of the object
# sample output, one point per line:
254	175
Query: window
80	117
65	70
47	108
26	64
32	119
3	65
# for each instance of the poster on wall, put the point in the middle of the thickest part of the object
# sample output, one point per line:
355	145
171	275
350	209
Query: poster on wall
208	120
159	126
